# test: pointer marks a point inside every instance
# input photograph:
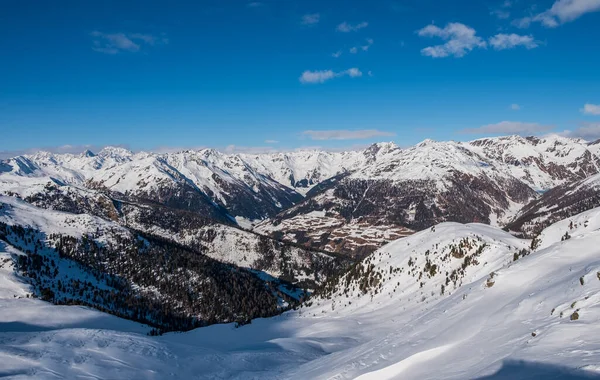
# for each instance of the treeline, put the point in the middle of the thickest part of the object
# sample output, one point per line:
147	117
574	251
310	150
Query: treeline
142	278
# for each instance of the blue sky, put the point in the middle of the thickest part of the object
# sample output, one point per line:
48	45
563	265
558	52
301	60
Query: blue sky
286	74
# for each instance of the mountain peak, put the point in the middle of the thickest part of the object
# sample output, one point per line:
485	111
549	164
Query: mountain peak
88	153
115	152
382	148
426	142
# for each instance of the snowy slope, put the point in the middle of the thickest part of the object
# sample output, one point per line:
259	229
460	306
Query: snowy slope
557	204
220	242
536	311
536	317
16	212
83	259
575	227
234	246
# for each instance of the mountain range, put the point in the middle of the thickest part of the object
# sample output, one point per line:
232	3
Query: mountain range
373	263
342	202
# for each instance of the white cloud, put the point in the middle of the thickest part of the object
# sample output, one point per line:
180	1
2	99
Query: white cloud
346	28
510	41
515	107
227	149
230	149
311	19
522	23
591	109
509	127
562	11
353	72
270	149
344	134
322	76
337	54
79	149
501	14
589	131
365	47
113	43
255	4
460	38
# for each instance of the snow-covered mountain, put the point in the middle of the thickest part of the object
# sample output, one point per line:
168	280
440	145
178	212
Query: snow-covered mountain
453	301
243	185
402	191
557	204
351	202
223	242
163	266
542	163
205	181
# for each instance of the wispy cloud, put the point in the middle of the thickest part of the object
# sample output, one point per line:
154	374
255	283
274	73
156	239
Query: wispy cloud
522	23
311	19
345	134
309	77
561	12
235	149
231	149
508	127
113	43
337	54
255	4
460	38
515	107
347	28
503	11
73	149
591	109
502	14
365	47
510	41
588	131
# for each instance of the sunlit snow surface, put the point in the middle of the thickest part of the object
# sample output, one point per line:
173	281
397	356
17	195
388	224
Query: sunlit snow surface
413	333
